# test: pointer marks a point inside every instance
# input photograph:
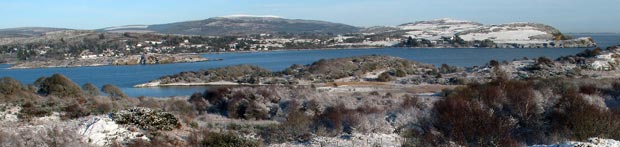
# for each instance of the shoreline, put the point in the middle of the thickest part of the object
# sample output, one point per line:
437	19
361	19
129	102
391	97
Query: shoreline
111	61
12	65
379	48
219	83
102	65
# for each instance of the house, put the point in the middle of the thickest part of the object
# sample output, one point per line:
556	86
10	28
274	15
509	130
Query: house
154	42
86	54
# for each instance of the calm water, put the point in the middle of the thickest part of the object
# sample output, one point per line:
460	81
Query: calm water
127	76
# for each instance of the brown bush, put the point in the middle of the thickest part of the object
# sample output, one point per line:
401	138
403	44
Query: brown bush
576	119
589	89
30	110
10	86
465	122
385	77
90	89
113	91
199	103
410	102
338	119
181	107
75	110
58	85
205	138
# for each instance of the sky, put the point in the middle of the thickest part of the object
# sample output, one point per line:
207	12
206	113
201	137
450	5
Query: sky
567	15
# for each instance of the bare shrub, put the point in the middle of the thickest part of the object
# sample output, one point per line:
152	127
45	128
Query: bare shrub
113	91
30	110
204	137
199	103
181	107
410	102
90	89
385	77
59	85
148	103
9	86
588	89
75	110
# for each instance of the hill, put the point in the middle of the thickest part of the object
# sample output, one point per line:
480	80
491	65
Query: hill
241	25
26	32
523	34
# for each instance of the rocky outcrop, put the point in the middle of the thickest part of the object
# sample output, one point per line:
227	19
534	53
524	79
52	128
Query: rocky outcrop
146	118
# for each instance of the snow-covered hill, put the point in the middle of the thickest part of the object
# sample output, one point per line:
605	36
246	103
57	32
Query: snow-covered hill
435	29
511	33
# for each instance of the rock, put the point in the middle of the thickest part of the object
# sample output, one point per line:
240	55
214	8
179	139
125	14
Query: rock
147	119
103	131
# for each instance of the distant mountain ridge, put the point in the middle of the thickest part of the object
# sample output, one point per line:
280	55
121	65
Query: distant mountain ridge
27	31
240	25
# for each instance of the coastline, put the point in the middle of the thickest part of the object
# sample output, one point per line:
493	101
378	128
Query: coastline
218	83
378	48
127	61
18	65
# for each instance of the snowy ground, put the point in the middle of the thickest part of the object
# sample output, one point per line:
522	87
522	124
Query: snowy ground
592	142
356	140
95	130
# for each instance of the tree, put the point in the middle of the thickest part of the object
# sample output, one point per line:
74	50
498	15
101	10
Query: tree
459	40
411	42
113	91
90	89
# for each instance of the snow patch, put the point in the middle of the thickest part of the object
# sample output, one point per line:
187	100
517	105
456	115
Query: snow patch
9	114
127	27
356	139
592	142
103	131
246	15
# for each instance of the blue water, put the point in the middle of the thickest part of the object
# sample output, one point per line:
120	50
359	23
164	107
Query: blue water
127	76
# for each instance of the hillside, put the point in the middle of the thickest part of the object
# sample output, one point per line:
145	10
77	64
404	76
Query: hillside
241	25
504	35
26	32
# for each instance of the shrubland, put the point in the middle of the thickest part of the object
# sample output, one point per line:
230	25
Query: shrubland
516	113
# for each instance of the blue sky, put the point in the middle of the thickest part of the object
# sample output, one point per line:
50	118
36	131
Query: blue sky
566	15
